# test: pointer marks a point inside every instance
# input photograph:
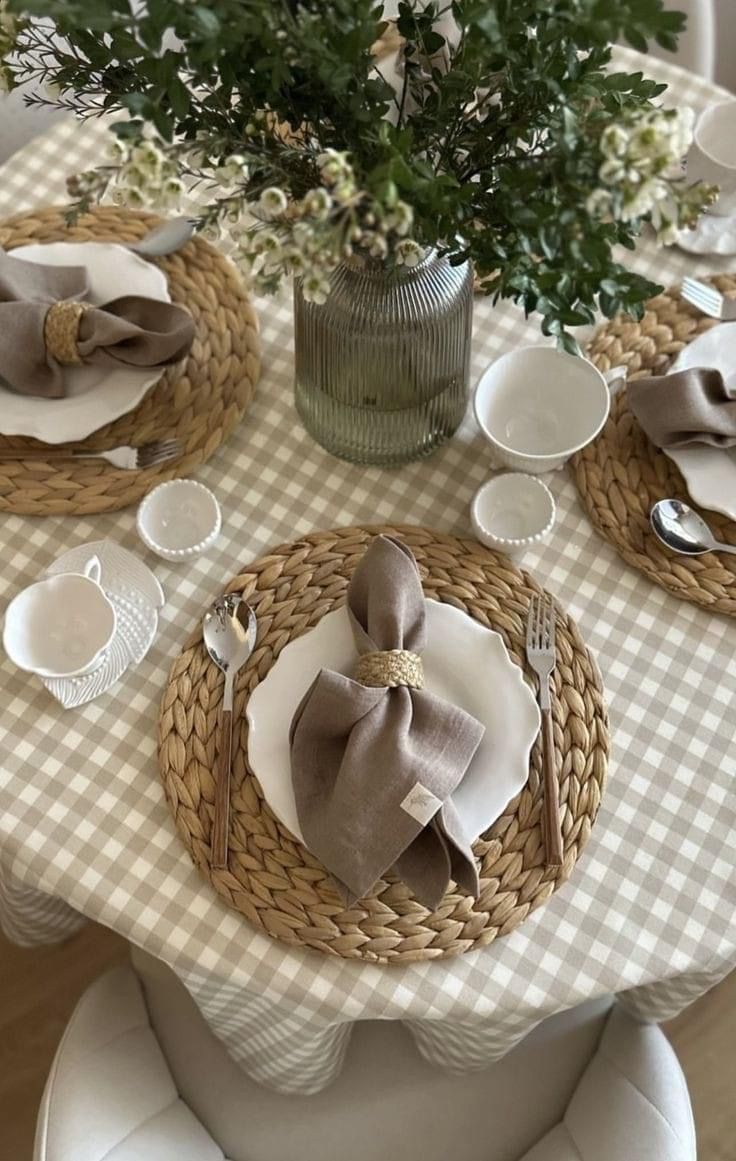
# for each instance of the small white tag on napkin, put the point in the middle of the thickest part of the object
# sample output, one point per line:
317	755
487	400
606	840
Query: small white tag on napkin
421	803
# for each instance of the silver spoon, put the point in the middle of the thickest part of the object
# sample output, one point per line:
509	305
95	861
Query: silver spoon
164	239
683	530
229	631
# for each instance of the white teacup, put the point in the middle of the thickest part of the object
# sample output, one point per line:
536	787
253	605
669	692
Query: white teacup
712	155
537	406
61	626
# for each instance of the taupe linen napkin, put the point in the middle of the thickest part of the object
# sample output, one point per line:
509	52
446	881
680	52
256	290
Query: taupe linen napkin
685	407
131	330
374	767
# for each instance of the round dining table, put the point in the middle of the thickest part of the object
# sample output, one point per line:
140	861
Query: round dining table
85	832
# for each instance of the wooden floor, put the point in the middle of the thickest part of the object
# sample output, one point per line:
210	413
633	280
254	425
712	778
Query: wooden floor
39	988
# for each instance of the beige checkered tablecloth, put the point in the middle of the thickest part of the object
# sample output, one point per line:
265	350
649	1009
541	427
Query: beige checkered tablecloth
85	831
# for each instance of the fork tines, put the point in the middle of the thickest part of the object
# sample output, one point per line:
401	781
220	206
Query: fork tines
148	455
704	297
540	627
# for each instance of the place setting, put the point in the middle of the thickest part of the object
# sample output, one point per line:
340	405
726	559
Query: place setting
660	479
396	793
117	371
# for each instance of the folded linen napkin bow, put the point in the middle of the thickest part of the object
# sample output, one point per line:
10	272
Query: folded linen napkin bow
685	408
374	760
45	324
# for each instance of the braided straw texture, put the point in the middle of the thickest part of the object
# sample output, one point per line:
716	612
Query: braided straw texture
621	474
390	667
272	879
61	331
198	401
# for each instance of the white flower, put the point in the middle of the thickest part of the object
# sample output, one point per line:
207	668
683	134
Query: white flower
116	151
233	170
317	204
344	191
598	203
148	157
273	202
614	141
52	89
315	288
295	261
408	253
170	193
125	196
378	247
212	231
612	171
334	167
400	218
667	232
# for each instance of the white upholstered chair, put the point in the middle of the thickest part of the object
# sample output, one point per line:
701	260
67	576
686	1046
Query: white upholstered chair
139	1077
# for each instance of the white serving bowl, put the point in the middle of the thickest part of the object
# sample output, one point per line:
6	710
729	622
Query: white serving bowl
179	520
61	626
512	511
537	406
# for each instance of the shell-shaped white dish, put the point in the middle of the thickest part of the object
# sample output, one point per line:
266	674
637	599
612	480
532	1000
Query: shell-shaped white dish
463	662
710	472
712	235
94	395
136	596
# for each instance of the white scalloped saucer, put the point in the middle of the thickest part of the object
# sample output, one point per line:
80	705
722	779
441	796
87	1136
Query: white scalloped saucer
137	596
463	662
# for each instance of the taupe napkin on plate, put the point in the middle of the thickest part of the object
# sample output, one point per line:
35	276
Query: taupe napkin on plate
45	324
685	408
374	766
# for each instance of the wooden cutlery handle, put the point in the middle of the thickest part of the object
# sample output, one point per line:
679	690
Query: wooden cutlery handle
221	821
43	454
551	800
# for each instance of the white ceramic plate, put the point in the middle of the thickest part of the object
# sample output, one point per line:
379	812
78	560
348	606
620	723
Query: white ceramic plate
463	662
712	235
710	472
95	395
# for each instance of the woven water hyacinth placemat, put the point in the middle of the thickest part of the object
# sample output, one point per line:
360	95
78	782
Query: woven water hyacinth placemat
198	401
622	474
272	879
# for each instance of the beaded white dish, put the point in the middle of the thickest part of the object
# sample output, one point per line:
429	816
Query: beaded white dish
179	520
136	596
512	511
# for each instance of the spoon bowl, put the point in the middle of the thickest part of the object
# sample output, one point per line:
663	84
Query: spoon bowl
680	528
164	239
229	630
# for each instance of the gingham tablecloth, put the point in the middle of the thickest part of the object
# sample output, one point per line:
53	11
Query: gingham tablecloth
85	831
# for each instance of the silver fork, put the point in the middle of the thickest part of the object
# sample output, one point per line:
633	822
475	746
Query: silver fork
708	300
148	455
541	655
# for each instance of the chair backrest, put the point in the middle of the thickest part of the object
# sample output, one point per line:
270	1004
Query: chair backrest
387	1102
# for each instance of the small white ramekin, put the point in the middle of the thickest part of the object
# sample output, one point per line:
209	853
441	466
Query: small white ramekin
179	520
512	511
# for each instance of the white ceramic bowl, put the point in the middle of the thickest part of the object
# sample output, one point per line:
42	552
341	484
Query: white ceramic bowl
179	520
61	626
512	511
537	406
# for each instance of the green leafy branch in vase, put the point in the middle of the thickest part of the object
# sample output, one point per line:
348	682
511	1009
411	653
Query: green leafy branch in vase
496	132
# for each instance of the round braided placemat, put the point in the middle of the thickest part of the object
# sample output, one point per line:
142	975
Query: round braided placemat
621	474
198	401
272	879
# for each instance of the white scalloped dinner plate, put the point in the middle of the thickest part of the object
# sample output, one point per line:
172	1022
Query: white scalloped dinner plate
95	396
463	662
710	472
